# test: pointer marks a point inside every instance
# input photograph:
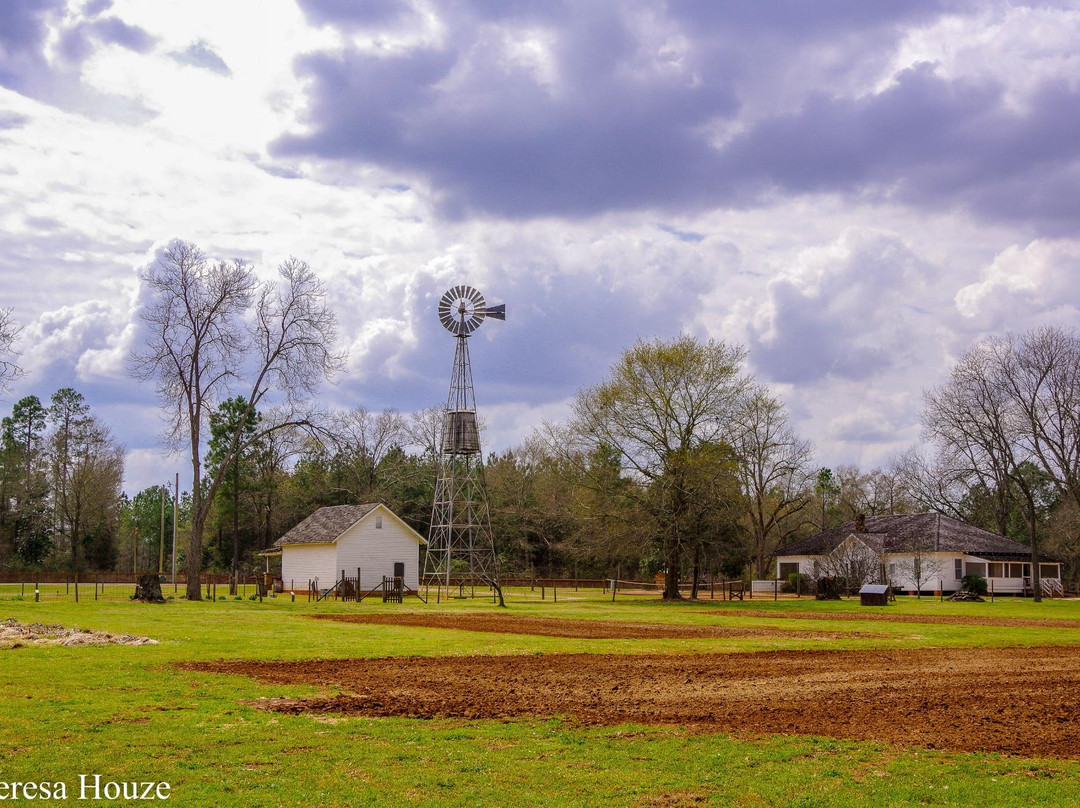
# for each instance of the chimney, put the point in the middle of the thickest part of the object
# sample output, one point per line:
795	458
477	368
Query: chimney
860	523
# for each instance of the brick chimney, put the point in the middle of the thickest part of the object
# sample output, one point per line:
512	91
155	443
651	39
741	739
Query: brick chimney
860	523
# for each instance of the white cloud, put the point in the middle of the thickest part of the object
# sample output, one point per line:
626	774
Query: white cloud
1023	285
1020	47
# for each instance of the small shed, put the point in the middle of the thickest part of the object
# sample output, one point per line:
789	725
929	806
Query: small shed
874	595
369	540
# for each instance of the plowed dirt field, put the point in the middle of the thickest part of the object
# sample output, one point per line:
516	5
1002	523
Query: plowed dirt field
580	629
1017	701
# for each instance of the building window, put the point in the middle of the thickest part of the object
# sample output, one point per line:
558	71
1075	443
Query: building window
976	568
1048	571
378	521
959	568
997	569
786	568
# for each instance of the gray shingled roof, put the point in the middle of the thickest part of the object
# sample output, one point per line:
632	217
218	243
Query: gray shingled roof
326	524
925	531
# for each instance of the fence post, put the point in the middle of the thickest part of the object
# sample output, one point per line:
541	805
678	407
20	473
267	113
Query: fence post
555	590
76	586
541	591
37	589
775	589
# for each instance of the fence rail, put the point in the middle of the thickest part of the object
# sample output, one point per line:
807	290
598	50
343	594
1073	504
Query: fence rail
108	577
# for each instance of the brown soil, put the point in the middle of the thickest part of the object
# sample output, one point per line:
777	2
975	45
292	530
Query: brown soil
579	629
885	617
1017	701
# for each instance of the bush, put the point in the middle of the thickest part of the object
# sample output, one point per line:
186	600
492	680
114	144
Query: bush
797	582
975	584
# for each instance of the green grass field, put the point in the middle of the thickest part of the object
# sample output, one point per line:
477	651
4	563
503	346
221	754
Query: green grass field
128	714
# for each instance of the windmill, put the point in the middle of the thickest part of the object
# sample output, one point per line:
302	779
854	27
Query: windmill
461	547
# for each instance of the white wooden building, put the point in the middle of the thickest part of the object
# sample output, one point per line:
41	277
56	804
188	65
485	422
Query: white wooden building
369	540
927	552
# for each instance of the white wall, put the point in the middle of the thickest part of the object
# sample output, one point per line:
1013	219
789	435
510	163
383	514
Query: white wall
901	580
303	562
374	550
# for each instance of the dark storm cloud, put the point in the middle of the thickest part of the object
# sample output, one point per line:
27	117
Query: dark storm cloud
504	142
629	116
928	141
802	19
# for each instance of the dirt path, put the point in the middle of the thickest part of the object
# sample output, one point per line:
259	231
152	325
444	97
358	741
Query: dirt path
885	617
580	629
1017	701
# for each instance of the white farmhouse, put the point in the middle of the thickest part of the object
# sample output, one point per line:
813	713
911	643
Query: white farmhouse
369	540
924	552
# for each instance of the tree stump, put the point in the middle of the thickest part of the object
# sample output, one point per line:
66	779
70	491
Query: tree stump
148	588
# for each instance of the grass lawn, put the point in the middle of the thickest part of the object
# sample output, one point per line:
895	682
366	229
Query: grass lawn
126	713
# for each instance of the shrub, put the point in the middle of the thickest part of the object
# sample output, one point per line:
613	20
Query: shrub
797	582
975	584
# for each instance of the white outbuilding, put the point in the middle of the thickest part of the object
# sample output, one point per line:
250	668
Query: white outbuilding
367	540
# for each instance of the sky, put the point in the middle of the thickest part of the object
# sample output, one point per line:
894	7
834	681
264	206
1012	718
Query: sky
856	192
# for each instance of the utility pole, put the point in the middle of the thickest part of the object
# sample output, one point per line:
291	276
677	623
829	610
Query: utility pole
175	511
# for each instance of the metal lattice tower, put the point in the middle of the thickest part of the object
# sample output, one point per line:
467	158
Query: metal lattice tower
461	546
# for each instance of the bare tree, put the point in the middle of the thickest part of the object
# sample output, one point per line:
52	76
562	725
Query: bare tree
9	335
214	328
888	494
978	420
1041	370
774	469
852	561
363	439
424	430
931	481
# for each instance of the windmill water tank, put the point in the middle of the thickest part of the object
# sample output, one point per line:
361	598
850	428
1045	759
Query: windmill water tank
460	435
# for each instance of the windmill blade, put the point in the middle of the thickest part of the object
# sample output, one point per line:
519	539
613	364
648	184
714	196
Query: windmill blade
497	311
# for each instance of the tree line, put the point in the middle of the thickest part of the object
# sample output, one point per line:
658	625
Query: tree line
678	461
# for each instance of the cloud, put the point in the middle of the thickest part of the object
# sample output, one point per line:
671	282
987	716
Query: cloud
200	54
850	309
575	110
87	342
43	47
1025	285
355	15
